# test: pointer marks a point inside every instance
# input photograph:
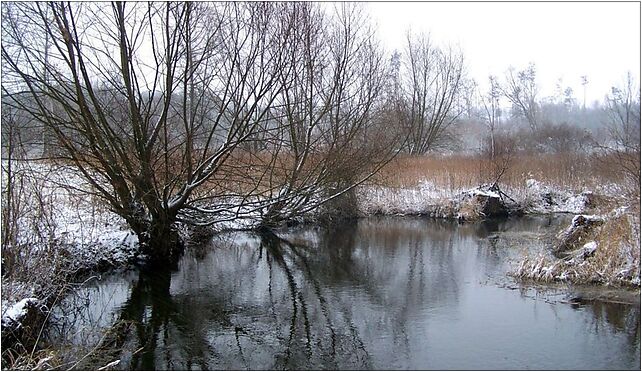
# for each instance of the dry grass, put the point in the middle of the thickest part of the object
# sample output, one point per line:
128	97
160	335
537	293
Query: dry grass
618	256
570	171
615	262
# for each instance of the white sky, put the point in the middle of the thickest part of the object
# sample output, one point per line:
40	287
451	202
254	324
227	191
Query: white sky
564	40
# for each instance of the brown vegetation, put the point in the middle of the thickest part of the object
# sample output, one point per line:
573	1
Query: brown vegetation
612	260
571	171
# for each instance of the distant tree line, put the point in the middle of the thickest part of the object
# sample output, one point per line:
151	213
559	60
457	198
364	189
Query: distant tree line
559	124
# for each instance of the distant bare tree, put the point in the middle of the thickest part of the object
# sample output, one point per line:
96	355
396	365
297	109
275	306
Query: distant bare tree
498	148
491	110
623	126
148	101
432	77
521	90
495	166
584	80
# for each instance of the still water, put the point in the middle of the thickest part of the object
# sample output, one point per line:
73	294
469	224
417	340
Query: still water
378	293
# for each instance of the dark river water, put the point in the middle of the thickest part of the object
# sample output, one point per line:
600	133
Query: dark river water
378	293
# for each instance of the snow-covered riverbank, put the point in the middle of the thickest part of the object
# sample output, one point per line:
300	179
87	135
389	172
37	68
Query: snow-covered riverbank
428	199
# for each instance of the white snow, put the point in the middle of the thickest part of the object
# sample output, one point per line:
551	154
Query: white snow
536	197
385	200
590	246
14	314
68	217
59	226
480	192
539	197
109	365
580	255
532	183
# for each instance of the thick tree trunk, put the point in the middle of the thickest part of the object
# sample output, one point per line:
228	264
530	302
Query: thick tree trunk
162	244
159	241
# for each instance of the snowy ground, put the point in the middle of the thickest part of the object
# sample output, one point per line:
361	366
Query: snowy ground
59	228
534	197
87	230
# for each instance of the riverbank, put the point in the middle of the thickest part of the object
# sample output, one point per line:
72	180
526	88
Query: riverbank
606	255
65	236
601	250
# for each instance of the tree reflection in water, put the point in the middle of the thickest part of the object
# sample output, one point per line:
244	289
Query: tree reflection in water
209	325
377	293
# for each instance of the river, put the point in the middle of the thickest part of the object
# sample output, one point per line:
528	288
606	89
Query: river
378	293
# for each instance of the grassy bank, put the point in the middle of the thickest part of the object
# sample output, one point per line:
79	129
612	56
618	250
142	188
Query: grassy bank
604	252
573	172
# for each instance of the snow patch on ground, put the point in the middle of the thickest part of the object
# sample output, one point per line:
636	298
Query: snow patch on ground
60	226
12	316
400	201
536	197
590	246
61	214
481	192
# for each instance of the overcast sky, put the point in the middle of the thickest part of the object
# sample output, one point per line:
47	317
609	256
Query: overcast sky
567	40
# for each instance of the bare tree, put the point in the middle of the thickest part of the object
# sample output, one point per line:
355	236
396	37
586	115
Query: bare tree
623	126
433	77
328	139
493	166
584	80
148	101
491	110
521	90
497	148
10	147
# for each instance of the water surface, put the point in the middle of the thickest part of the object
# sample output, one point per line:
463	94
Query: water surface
379	293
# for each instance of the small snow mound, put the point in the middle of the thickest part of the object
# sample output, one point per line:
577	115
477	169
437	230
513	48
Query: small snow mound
582	219
480	192
590	246
570	237
585	252
15	313
532	183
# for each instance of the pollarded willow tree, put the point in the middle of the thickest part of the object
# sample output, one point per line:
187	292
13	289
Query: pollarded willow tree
148	101
198	113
